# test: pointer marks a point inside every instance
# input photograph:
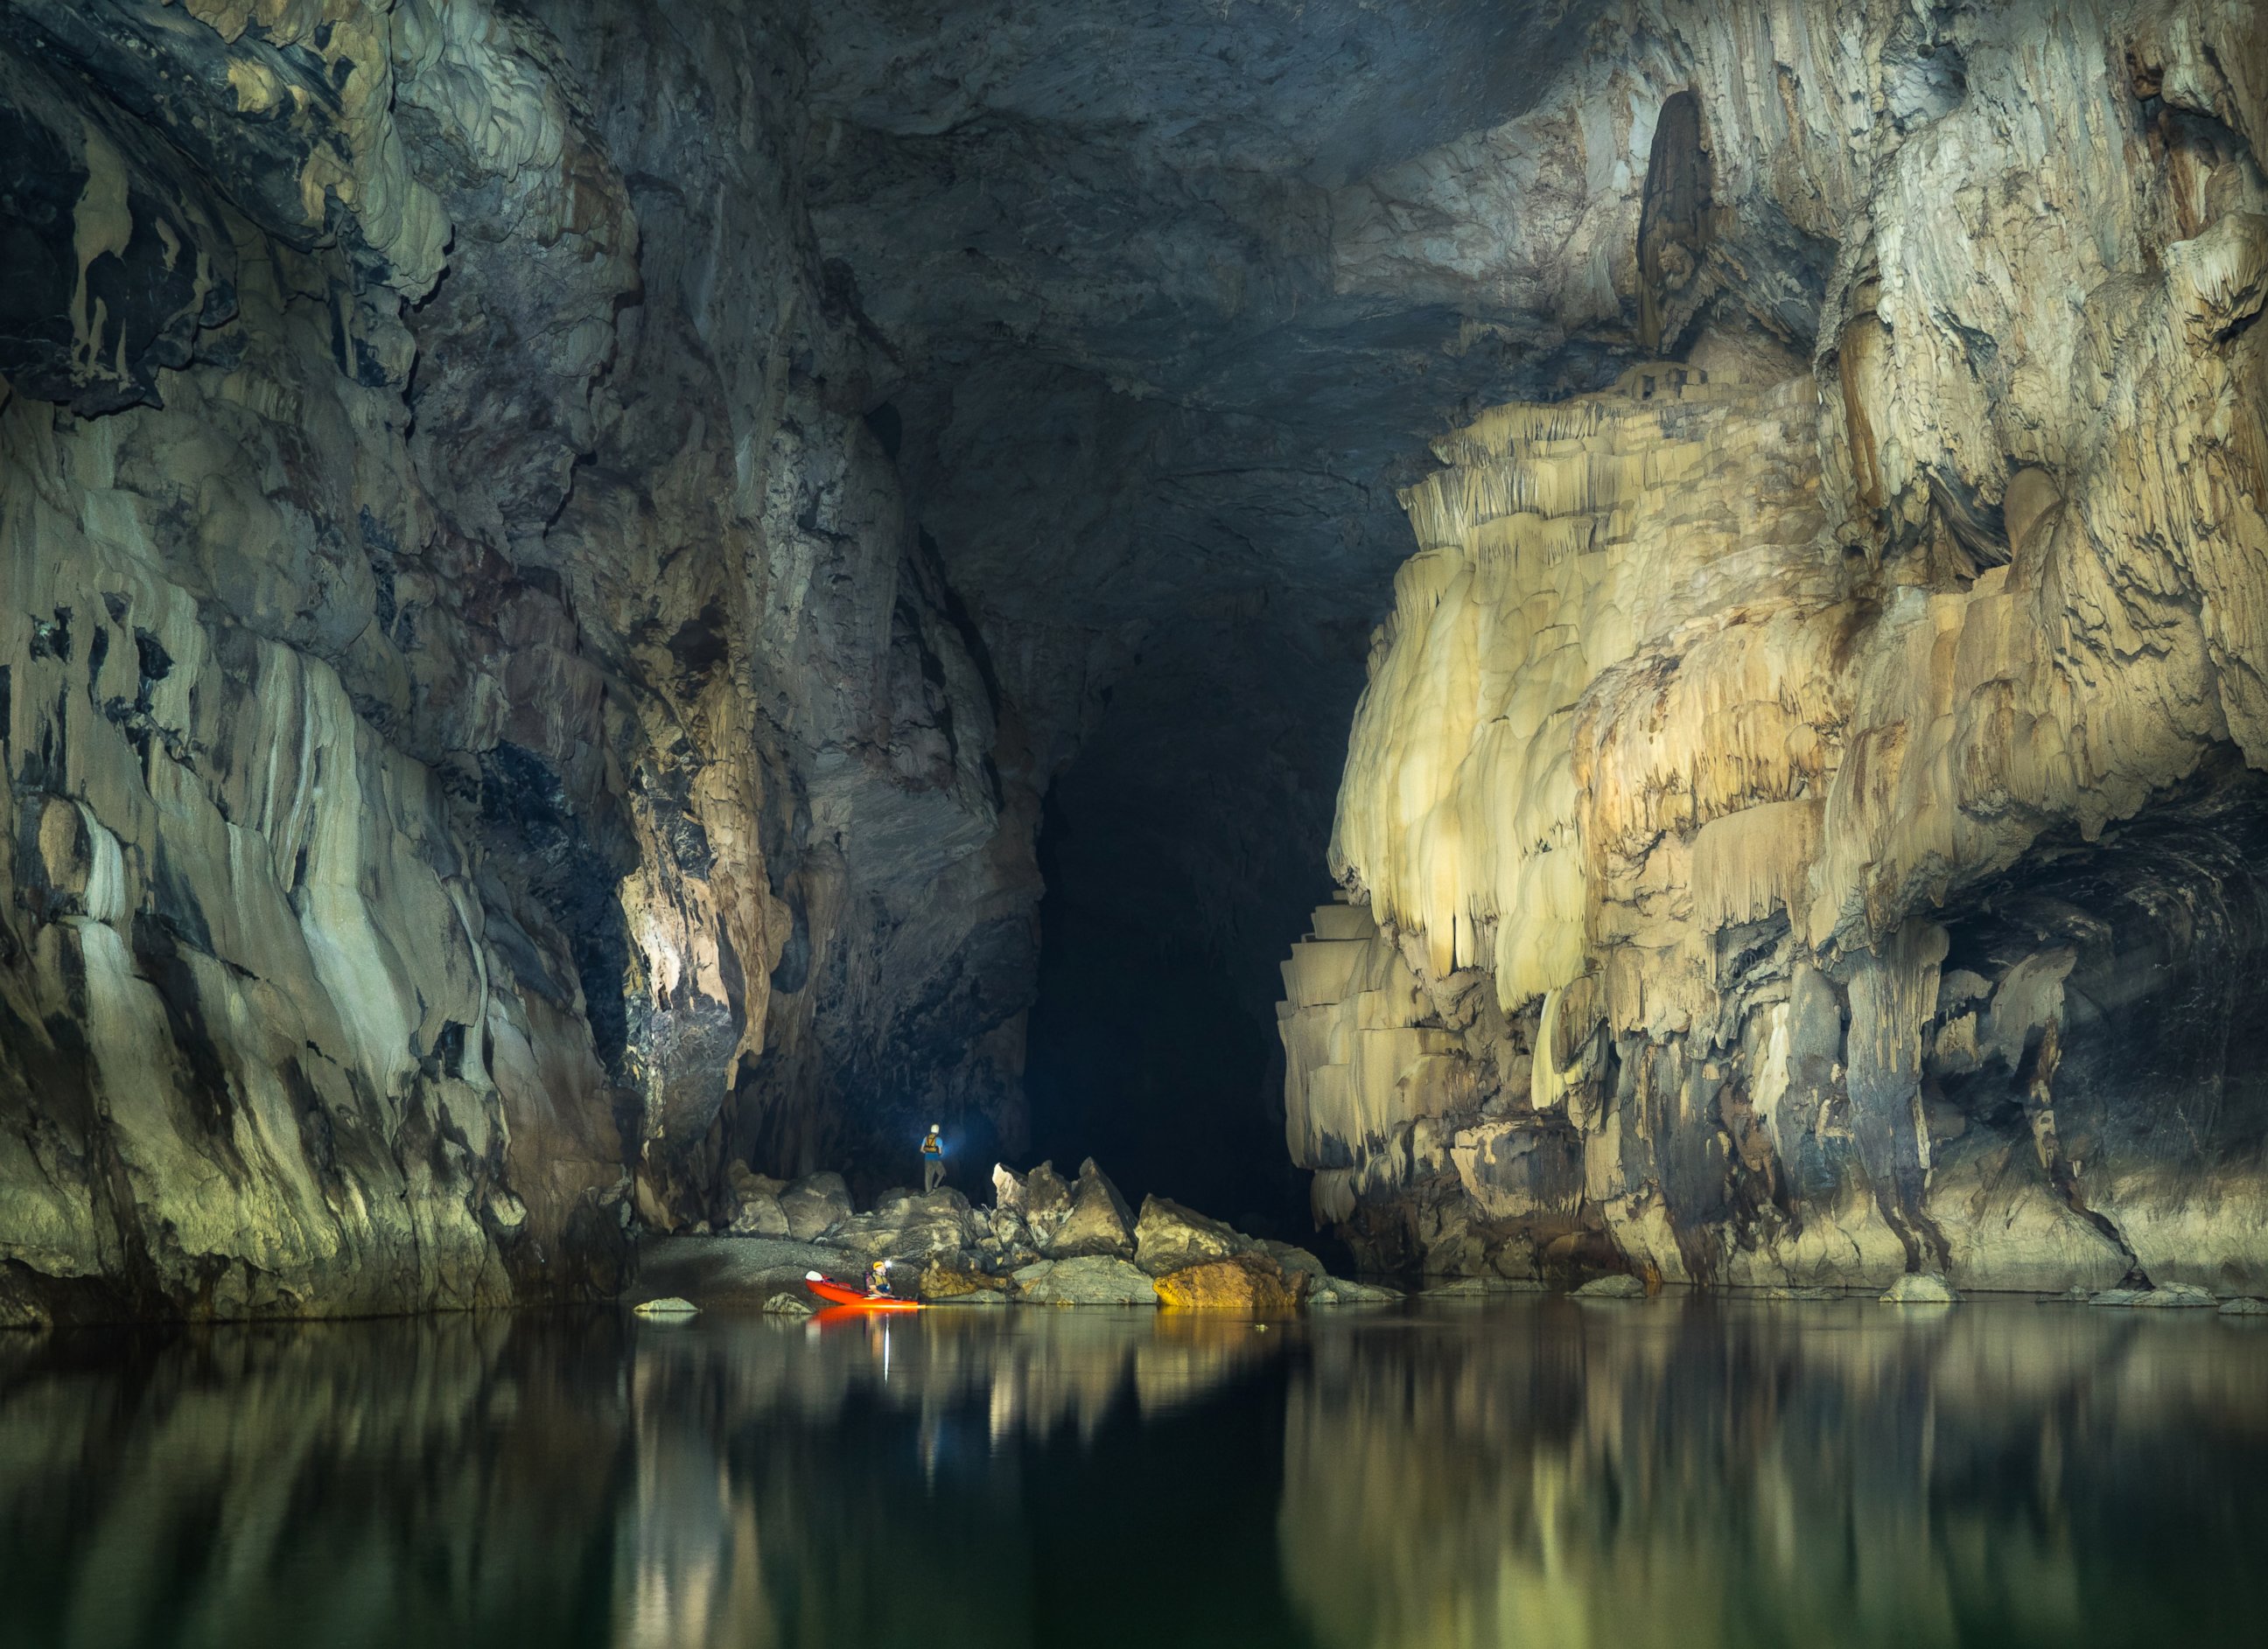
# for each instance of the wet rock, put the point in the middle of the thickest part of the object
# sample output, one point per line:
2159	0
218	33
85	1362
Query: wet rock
668	1306
1339	1291
2165	1297
1095	1280
1620	1287
787	1304
1474	1287
1250	1282
1169	1237
952	1278
1919	1289
2244	1306
814	1204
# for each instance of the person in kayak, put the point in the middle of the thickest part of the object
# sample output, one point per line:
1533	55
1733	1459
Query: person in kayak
932	1151
878	1277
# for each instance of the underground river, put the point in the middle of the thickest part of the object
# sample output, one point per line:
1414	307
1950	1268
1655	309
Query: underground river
1522	1470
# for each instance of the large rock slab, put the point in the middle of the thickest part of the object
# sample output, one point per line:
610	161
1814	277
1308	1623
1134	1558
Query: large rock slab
1920	1289
1169	1237
2166	1297
1251	1282
911	1226
1093	1280
1341	1290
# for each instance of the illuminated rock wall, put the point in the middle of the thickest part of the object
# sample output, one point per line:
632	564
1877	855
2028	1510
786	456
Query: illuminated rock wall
486	745
1810	823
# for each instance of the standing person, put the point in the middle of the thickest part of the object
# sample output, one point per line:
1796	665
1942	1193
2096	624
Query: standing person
932	1151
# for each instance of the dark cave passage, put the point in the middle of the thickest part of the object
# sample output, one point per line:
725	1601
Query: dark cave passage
1155	1057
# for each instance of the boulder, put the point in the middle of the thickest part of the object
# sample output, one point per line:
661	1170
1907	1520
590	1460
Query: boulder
1092	1280
668	1306
951	1276
1045	1204
1920	1289
908	1226
1294	1258
2167	1296
1466	1287
756	1210
2244	1306
813	1204
788	1305
1007	1190
1171	1238
1252	1283
1099	1221
1622	1286
1341	1290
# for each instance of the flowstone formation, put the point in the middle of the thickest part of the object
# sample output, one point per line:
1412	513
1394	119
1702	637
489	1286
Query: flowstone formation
486	744
1803	826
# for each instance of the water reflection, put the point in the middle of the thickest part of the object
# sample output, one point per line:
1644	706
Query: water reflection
896	1491
1535	1472
1710	1473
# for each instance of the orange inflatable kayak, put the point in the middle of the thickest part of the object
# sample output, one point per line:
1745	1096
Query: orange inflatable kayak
856	1298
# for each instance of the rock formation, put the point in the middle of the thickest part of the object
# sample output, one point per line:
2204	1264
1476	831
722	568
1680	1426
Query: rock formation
486	744
552	551
1802	824
1044	1241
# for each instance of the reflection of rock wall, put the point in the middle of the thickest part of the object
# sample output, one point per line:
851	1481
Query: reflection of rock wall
485	742
1787	805
789	1547
492	1478
428	1483
1585	1478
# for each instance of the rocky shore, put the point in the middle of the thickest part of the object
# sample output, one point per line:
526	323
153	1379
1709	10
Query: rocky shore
1045	1241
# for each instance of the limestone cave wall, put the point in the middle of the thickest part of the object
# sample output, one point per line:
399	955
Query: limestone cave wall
485	742
1803	825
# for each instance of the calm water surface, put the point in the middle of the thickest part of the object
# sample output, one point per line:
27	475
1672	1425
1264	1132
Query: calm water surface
1534	1471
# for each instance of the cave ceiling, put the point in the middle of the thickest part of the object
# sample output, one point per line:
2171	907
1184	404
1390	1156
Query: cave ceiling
1155	392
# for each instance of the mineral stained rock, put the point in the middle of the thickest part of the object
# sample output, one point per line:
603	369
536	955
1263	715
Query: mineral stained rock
1803	825
1251	1282
486	743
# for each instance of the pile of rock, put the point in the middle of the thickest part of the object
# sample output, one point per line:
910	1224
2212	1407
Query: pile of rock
1045	1241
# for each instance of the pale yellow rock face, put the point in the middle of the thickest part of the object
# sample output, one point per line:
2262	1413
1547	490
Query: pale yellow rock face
1709	710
